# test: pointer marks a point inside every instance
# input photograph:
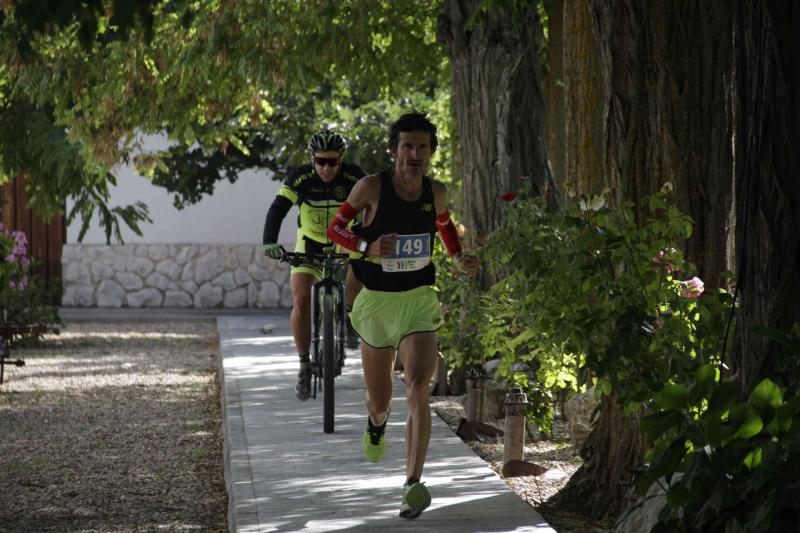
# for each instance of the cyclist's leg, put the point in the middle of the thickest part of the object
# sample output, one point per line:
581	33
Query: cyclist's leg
418	354
351	289
301	283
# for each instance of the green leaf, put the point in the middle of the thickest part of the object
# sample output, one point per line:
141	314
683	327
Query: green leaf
525	336
672	396
753	458
703	385
721	400
657	424
666	463
747	421
766	393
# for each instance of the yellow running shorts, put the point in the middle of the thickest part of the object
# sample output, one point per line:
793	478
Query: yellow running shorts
382	319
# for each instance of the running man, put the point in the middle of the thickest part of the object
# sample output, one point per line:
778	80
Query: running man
319	189
398	311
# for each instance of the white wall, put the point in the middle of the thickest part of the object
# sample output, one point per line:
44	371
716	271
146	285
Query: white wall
233	214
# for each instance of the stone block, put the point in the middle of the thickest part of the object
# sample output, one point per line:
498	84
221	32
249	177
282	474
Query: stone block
101	271
78	296
129	280
145	298
209	266
140	265
157	252
241	277
159	281
208	296
110	294
244	254
76	273
236	299
177	299
169	268
268	295
579	411
224	280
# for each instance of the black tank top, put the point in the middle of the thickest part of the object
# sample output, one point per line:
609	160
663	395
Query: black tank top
395	215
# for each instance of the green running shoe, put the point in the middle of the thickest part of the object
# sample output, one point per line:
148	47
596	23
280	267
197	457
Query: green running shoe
375	440
416	499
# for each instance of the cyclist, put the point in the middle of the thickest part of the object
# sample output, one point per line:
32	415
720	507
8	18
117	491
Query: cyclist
398	312
319	188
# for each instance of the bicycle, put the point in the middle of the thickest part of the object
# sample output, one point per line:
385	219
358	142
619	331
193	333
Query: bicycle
328	322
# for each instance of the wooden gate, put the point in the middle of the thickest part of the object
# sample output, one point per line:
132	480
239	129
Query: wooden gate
45	239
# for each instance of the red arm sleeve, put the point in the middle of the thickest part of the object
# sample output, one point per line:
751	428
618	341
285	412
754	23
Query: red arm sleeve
338	231
448	233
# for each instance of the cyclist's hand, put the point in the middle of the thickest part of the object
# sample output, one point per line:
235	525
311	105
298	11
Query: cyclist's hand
383	245
468	264
273	250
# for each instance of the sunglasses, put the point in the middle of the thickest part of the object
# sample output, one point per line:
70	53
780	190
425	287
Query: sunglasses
327	161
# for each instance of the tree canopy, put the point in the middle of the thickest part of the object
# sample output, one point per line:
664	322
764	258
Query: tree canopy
81	84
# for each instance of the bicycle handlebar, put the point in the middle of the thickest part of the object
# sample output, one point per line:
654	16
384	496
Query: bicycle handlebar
302	258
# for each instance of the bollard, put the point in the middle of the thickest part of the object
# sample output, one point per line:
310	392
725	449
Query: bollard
514	440
476	378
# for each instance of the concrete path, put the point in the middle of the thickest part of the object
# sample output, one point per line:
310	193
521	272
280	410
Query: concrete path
284	474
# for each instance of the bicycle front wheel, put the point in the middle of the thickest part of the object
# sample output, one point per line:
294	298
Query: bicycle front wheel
329	361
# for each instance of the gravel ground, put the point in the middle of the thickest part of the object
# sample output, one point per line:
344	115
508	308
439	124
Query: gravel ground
557	455
114	427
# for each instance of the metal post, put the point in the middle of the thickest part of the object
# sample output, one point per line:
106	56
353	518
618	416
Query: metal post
476	378
514	440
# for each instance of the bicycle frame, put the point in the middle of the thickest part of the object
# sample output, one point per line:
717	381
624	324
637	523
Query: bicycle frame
327	285
328	323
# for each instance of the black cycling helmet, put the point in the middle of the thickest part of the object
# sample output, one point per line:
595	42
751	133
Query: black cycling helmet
327	141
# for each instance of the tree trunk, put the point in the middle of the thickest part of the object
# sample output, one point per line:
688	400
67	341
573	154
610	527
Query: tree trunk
648	103
767	184
585	99
600	488
554	86
499	102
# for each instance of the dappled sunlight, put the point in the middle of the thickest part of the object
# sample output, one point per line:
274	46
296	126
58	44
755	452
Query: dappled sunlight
89	334
258	341
288	475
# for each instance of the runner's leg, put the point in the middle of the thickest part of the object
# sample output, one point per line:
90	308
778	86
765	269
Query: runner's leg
377	364
418	353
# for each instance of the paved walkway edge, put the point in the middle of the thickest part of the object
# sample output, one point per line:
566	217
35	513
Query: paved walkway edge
283	474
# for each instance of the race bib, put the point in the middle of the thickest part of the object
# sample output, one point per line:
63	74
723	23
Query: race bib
411	252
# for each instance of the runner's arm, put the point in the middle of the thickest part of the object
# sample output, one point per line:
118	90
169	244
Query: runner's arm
357	201
447	231
466	263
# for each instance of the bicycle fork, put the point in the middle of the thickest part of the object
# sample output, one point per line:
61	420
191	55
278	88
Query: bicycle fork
319	290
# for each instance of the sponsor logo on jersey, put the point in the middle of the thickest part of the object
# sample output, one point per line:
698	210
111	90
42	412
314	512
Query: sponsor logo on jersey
427	207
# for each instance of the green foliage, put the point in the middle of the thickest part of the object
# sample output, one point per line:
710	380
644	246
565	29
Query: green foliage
22	300
738	461
590	295
206	74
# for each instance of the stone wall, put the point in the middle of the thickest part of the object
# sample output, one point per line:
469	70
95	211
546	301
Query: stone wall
173	275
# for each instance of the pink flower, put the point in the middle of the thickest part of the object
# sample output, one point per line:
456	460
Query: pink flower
522	178
692	288
660	259
657	323
509	196
445	309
